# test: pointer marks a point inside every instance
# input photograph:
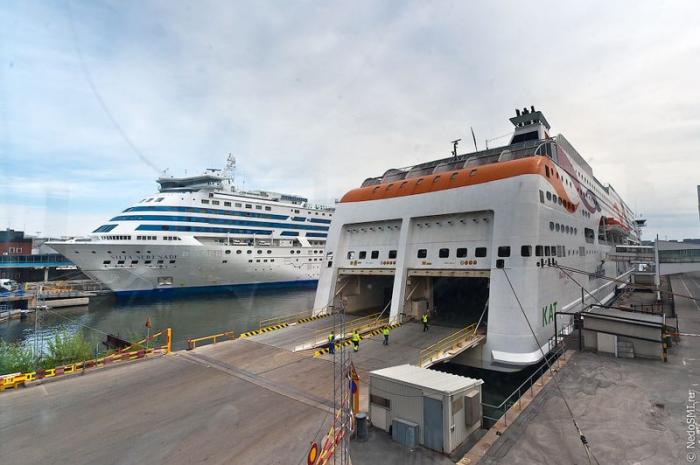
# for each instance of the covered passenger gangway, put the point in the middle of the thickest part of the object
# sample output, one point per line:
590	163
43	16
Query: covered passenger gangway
663	258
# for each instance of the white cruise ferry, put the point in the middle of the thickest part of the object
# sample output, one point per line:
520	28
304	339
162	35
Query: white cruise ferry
198	233
447	236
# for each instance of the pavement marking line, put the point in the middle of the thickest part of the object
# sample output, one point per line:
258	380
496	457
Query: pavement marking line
245	375
690	294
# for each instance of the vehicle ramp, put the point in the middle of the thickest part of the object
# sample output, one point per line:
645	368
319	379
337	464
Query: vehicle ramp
450	346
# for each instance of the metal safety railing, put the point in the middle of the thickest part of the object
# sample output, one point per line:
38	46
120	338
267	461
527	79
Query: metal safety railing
285	319
452	342
362	325
496	412
192	342
18	379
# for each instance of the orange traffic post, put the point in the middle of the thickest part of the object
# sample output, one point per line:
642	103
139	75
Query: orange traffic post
169	339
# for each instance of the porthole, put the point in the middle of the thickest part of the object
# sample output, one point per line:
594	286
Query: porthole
551	225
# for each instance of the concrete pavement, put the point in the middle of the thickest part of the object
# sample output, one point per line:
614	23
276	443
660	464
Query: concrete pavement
631	411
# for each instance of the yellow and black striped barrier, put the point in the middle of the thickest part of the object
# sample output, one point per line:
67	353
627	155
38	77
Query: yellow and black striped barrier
266	329
311	318
348	341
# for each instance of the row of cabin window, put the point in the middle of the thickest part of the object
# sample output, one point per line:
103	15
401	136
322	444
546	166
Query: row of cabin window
159	199
248	205
460	253
362	254
135	262
238	252
116	238
237	205
556	200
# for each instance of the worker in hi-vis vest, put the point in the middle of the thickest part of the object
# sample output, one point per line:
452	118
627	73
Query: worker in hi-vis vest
355	341
385	332
424	319
331	343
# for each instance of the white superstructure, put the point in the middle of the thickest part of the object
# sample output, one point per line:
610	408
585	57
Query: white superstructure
446	237
201	232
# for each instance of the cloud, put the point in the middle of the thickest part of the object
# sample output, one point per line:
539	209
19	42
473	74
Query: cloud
315	97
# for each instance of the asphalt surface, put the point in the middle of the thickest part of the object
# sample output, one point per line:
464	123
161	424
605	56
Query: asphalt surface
170	410
632	411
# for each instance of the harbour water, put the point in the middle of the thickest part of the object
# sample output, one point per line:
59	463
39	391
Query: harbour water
188	316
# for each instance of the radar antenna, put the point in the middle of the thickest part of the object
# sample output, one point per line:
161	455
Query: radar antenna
230	168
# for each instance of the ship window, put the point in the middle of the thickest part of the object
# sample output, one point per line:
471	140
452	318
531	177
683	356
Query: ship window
526	251
215	202
392	254
147	262
120	262
547	252
227	204
546	170
107	262
551	225
228	252
159	199
250	261
554	198
363	255
541	196
422	253
504	251
538	251
248	205
455	174
171	261
557	225
375	254
269	251
205	201
419	181
480	252
258	207
461	252
224	261
351	255
267	208
237	205
559	201
436	179
589	235
549	195
259	252
444	253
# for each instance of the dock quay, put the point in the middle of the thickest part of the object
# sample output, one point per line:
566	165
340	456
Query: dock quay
265	397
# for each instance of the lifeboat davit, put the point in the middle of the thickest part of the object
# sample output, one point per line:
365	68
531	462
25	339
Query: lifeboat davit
616	227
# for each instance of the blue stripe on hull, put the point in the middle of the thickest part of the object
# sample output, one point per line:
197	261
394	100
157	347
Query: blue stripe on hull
221	289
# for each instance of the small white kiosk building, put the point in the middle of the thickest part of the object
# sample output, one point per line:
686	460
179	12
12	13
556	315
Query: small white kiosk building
422	406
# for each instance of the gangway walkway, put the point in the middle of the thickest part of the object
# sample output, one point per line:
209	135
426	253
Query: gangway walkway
451	346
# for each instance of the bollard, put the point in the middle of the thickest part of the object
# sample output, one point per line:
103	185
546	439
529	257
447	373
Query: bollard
190	344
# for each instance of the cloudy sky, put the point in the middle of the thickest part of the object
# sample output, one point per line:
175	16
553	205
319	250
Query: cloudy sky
312	97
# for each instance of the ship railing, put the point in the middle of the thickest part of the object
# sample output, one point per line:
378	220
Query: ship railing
285	319
496	412
454	341
361	325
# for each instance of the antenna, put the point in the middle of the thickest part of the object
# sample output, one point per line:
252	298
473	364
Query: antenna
474	139
454	147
